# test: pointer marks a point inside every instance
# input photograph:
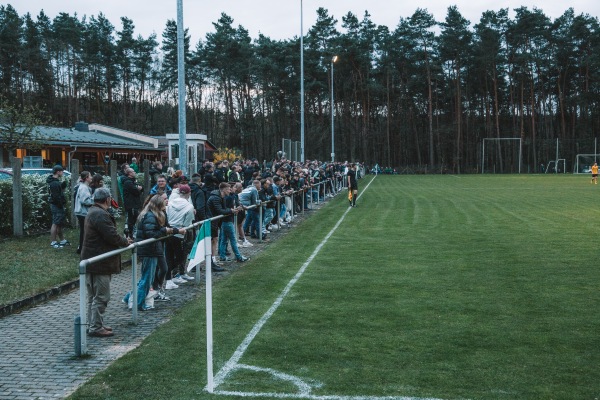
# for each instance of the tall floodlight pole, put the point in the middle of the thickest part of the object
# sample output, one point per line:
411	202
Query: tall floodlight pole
301	84
333	60
181	88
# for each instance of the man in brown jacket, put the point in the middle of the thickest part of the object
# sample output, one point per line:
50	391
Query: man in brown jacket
100	236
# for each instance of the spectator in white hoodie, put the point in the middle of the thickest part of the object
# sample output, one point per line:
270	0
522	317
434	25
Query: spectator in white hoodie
180	214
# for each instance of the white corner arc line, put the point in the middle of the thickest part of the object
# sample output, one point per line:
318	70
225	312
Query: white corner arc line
239	352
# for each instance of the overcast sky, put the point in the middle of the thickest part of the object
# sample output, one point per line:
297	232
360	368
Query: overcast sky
278	19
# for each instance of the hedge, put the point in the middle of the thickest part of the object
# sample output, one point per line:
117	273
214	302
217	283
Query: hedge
36	209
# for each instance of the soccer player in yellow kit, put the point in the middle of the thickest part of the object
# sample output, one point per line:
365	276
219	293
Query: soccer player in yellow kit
595	174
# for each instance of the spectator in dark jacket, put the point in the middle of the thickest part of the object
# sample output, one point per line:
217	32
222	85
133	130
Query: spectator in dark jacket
57	206
132	198
198	197
100	236
216	207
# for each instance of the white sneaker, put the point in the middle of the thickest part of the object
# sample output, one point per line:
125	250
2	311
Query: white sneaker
170	285
187	277
179	280
151	293
247	244
149	302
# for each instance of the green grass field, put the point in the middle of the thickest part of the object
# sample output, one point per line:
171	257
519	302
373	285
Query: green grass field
479	287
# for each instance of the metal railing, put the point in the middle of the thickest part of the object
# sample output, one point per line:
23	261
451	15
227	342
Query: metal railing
81	324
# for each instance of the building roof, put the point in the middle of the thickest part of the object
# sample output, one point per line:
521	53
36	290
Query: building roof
96	136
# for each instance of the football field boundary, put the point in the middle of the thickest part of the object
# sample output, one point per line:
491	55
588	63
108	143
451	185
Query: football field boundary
304	389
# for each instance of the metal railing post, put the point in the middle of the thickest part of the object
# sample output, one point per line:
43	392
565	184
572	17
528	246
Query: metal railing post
260	221
278	211
303	200
134	308
83	317
292	211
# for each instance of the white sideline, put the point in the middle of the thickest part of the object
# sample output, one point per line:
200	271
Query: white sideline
239	352
316	397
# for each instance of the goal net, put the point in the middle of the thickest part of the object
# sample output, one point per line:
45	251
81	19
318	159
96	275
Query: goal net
584	162
501	155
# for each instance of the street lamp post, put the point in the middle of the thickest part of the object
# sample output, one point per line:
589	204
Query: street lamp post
301	84
333	60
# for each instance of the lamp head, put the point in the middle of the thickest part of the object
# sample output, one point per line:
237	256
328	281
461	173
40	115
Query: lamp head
334	59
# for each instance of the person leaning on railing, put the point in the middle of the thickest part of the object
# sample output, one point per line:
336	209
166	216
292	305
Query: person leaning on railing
100	236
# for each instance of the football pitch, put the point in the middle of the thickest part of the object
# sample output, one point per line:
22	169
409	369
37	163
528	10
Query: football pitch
433	287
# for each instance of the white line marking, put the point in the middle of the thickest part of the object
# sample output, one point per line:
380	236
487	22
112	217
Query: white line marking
239	352
316	397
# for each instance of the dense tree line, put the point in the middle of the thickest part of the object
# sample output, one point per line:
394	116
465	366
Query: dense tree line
423	95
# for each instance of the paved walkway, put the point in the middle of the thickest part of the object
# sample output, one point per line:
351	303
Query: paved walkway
37	355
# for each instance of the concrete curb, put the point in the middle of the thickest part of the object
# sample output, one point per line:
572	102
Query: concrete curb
21	304
49	294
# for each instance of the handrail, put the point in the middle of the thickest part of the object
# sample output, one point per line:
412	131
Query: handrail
81	344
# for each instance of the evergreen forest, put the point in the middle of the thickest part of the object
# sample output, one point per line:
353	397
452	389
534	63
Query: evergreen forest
420	96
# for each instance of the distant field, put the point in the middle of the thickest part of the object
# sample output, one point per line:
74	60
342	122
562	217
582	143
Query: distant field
480	287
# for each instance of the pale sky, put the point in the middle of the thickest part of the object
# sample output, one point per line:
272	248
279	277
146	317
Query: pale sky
278	19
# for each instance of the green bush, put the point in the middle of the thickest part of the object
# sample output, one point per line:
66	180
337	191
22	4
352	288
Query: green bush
36	209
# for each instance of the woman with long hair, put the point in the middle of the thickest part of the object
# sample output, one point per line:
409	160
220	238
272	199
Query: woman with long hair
151	224
83	201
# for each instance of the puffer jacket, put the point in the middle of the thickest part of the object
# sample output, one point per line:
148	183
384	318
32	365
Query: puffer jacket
101	236
216	207
148	227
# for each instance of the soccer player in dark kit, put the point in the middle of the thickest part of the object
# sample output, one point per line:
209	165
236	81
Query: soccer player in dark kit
352	185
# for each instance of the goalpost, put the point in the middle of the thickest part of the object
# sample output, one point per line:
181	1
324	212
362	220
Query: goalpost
583	163
501	157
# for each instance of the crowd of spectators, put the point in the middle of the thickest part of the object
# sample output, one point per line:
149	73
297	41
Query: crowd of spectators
240	193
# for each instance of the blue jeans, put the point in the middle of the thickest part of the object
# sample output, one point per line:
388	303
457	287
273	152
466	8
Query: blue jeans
228	234
282	210
145	282
251	222
268	216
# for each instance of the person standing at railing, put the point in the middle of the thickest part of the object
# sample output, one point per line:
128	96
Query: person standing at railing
180	214
198	197
151	224
265	195
100	236
248	198
241	217
216	207
227	235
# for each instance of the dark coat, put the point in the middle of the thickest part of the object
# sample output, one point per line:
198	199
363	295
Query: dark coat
216	206
148	228
132	196
100	236
199	201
